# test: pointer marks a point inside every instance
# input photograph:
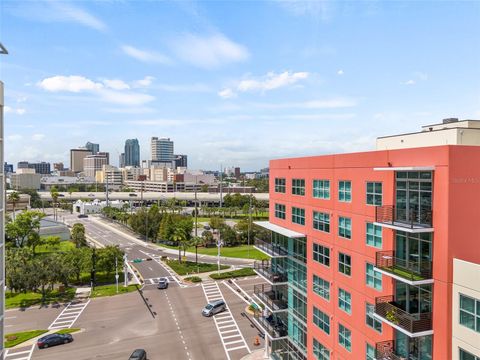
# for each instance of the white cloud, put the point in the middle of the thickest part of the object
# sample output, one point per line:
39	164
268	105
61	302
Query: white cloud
38	137
17	111
209	51
73	83
409	82
145	56
333	103
227	94
320	9
116	84
145	82
114	91
67	12
14	137
417	77
268	82
340	72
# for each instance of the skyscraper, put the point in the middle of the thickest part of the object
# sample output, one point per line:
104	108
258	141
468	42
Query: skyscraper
162	150
94	148
181	161
76	158
132	152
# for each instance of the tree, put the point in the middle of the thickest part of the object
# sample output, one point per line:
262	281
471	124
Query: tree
14	198
196	241
106	258
207	238
18	269
24	229
180	237
35	200
78	235
79	260
228	235
216	222
54	194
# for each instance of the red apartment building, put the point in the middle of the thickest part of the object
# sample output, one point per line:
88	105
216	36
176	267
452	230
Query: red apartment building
362	250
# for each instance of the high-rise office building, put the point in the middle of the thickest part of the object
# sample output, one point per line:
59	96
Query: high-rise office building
94	163
374	255
162	150
22	165
7	168
181	161
40	167
58	166
121	160
76	158
132	152
94	148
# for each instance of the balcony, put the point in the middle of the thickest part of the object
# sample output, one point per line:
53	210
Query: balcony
412	272
269	248
274	325
273	297
413	325
273	273
386	351
413	220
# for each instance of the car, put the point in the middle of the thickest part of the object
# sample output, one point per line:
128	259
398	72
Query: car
206	227
54	339
91	195
132	194
162	283
82	216
214	307
138	354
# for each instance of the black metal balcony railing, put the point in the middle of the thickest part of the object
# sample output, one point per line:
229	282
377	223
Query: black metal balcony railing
413	270
386	351
273	324
274	274
272	296
386	307
418	216
270	248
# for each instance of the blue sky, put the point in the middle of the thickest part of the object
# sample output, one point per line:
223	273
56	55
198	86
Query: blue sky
233	83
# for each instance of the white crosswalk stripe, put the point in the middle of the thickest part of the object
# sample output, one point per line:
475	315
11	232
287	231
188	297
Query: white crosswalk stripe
154	281
23	353
68	316
157	259
230	334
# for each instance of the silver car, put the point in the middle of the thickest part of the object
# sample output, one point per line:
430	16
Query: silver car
214	308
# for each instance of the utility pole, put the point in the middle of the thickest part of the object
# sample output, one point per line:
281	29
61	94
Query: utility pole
106	187
196	206
221	186
116	273
249	225
125	271
219	244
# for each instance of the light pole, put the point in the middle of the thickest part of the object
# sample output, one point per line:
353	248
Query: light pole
116	273
125	271
249	225
219	244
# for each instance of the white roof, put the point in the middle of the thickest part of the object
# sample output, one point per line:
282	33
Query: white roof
278	229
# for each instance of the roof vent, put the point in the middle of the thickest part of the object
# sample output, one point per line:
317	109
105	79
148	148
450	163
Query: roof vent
450	120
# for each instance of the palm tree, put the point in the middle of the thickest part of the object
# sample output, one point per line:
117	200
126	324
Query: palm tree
196	240
54	195
180	237
14	198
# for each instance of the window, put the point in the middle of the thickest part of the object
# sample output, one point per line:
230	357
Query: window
345	191
470	312
374	235
373	277
280	185
370	319
298	216
280	211
374	193
321	189
344	264
465	355
321	221
319	351
370	353
345	227
298	187
321	287
321	254
345	301
344	337
322	320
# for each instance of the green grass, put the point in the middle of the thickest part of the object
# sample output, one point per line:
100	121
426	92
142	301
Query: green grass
193	279
14	300
20	337
234	274
68	331
101	278
241	251
189	267
64	246
404	273
110	290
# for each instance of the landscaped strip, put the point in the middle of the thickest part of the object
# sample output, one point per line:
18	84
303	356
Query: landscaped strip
234	274
22	300
110	290
67	331
190	267
239	252
14	339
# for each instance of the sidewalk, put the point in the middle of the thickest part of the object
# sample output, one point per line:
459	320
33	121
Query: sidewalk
256	355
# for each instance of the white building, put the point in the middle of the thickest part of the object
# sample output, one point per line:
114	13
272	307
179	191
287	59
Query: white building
449	132
94	163
25	179
162	150
110	174
95	207
47	182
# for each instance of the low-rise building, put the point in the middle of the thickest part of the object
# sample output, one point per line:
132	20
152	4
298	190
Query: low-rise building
25	179
22	204
47	182
110	175
162	186
49	227
95	206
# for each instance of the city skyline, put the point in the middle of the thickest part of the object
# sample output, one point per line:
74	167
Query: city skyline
231	79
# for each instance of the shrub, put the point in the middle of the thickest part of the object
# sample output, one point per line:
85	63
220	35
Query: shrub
193	279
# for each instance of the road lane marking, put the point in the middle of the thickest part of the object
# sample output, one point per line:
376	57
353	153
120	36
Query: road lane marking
225	323
64	319
13	355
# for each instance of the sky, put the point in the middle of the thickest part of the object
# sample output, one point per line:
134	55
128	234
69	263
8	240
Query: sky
232	83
